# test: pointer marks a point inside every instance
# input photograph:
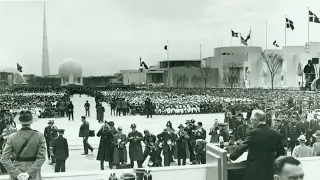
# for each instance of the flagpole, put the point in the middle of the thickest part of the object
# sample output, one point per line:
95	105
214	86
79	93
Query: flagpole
250	37
266	34
168	50
285	31
200	52
308	27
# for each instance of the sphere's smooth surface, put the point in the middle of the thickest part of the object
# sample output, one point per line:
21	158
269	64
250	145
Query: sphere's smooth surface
70	66
9	69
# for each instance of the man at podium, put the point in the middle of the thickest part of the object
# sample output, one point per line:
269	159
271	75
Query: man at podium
264	145
310	74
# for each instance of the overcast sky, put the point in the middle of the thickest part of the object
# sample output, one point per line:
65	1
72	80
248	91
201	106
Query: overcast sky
109	35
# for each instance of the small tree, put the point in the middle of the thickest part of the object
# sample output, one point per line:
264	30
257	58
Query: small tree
195	80
177	79
184	80
273	62
231	74
205	75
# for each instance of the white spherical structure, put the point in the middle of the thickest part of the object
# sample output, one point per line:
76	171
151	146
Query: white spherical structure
70	71
9	69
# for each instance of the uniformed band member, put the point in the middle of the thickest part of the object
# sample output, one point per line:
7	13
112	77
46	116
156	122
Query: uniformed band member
50	132
135	148
242	130
189	129
282	130
120	149
182	144
148	139
60	150
293	132
29	147
167	140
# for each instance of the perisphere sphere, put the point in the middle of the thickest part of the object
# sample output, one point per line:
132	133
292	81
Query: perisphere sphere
9	69
70	66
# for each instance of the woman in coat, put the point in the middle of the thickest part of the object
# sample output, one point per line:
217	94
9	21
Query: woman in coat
105	151
120	149
135	149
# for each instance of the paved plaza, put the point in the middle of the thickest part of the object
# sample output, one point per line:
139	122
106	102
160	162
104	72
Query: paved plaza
78	162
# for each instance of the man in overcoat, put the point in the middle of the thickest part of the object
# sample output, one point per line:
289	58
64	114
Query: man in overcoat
105	151
120	149
84	133
28	159
264	145
135	148
61	151
50	132
148	139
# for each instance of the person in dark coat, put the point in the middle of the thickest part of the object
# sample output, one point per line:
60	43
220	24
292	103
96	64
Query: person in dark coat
189	129
70	110
61	151
100	112
105	151
84	133
149	107
167	139
120	149
50	132
87	108
309	72
155	159
242	130
148	139
264	145
182	144
135	148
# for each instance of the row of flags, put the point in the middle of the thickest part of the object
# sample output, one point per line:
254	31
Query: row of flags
289	25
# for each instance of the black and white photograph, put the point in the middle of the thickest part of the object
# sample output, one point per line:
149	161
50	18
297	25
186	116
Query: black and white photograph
159	89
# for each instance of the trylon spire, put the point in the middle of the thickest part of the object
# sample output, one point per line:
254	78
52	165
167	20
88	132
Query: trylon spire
45	54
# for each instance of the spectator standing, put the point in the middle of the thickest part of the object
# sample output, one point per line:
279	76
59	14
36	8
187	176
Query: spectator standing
87	108
316	145
70	110
302	150
50	132
60	150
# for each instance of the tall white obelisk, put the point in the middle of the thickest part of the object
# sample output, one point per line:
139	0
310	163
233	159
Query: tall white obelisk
45	55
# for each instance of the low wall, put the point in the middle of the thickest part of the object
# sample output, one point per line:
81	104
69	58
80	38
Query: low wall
198	172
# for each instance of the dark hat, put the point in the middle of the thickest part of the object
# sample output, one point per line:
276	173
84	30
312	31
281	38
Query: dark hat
187	122
111	123
180	126
133	125
128	176
169	123
51	122
25	117
193	121
61	130
83	117
119	128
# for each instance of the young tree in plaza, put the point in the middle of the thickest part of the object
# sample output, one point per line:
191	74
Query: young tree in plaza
231	74
205	75
273	62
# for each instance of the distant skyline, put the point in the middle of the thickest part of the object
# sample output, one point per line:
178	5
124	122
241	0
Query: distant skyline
110	35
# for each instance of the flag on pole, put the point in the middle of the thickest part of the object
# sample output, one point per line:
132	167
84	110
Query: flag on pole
140	62
144	65
289	24
166	47
19	68
234	34
249	36
275	43
243	41
313	17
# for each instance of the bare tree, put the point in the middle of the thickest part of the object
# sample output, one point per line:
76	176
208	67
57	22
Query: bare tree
184	80
195	80
205	75
231	74
274	63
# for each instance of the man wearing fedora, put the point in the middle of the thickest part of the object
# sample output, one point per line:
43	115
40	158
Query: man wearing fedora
302	150
50	132
61	151
29	147
316	145
135	149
